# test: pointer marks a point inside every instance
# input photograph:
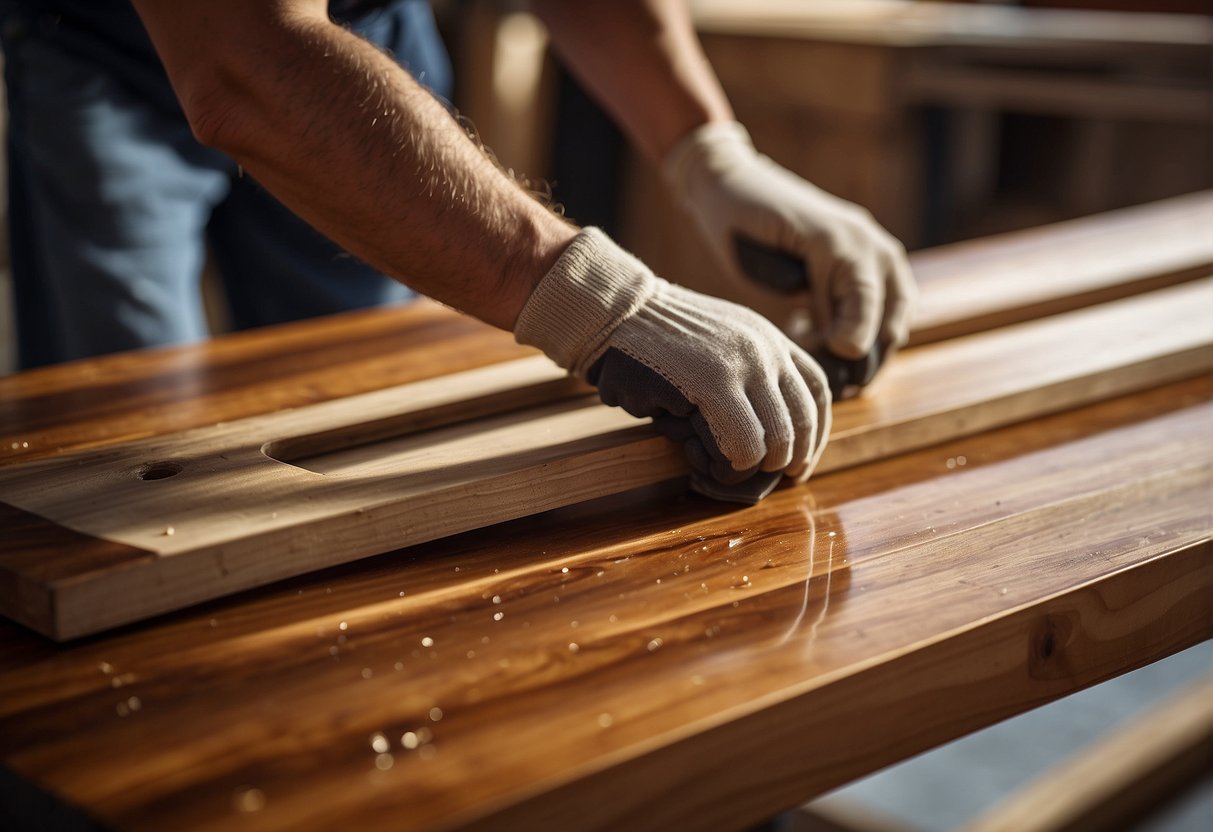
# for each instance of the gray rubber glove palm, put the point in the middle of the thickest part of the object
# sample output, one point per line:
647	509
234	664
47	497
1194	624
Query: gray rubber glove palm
862	290
745	402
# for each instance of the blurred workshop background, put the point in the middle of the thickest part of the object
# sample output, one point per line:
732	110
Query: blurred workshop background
948	120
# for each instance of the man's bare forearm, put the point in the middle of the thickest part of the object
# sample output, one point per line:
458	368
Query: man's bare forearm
642	60
355	146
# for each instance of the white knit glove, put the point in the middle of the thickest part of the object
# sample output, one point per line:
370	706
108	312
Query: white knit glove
745	402
861	287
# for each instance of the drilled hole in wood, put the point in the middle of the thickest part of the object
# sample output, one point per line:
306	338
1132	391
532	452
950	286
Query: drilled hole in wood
159	470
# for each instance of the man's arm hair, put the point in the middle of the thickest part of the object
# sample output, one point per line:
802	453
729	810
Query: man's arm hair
351	143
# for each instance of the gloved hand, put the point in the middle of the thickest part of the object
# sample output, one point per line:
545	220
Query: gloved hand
861	289
745	402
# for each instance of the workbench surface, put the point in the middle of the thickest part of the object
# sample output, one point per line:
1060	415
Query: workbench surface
652	660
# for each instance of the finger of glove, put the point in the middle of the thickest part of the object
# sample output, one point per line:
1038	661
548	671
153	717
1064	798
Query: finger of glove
680	430
701	450
624	381
803	411
705	458
724	467
819	401
857	287
900	298
779	430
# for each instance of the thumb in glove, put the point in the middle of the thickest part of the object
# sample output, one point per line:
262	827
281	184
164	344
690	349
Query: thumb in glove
860	290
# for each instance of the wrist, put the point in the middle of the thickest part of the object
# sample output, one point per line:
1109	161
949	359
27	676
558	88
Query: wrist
591	288
699	157
538	245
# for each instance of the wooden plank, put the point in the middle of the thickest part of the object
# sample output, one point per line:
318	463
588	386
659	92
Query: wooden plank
747	792
247	719
966	288
1120	777
1118	780
126	396
981	284
919	24
1046	563
217	514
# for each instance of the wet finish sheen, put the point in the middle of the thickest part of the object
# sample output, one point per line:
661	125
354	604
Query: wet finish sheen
645	661
645	645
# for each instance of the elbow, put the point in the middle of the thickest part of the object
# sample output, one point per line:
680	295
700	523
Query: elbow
218	111
224	66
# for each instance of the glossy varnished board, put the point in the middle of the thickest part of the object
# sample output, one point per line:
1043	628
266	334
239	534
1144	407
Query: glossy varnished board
962	584
649	661
216	510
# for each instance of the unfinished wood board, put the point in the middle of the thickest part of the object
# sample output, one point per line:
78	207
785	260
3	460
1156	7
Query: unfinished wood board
132	395
208	512
887	609
980	284
965	288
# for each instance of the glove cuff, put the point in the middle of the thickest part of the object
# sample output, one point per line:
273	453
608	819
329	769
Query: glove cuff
592	288
712	147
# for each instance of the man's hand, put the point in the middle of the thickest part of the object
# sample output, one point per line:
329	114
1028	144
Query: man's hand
746	403
860	290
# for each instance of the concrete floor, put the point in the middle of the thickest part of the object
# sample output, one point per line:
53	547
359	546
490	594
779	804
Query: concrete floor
944	788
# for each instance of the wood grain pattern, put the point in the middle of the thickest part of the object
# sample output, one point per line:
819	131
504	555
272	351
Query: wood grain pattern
126	396
1029	274
220	516
224	516
696	666
727	664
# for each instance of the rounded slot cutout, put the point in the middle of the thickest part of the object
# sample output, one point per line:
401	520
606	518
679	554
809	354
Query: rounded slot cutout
159	470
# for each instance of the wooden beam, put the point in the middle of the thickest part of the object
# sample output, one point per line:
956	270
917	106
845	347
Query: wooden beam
210	512
899	24
981	284
729	665
1120	777
781	748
